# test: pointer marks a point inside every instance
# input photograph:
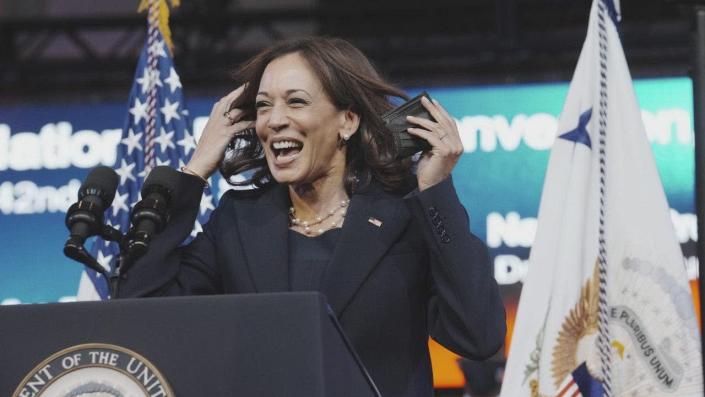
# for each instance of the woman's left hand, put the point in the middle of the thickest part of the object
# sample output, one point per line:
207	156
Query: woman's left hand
436	164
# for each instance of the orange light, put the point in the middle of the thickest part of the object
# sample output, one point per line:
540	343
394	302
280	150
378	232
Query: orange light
446	372
695	289
511	309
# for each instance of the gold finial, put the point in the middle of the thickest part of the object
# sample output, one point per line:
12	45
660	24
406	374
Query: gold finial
162	18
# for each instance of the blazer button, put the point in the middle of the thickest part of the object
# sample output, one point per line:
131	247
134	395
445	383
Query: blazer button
433	211
436	222
445	239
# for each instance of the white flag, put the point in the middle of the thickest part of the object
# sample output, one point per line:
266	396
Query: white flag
606	308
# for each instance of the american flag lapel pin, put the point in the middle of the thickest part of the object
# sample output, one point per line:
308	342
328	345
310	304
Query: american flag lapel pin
375	221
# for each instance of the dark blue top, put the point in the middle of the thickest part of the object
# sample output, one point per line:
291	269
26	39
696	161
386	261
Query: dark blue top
309	258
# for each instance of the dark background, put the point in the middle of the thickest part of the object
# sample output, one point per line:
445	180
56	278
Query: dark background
75	49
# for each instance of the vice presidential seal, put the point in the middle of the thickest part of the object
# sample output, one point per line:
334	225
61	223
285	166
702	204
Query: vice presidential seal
94	370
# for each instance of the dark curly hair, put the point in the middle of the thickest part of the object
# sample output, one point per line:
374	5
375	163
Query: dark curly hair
352	83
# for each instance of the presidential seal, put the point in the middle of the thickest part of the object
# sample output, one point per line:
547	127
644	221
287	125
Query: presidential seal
94	370
652	332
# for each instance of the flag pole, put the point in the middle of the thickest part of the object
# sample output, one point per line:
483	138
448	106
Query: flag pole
698	76
150	132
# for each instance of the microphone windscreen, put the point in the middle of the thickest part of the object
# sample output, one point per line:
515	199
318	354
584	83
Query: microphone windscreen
163	179
102	181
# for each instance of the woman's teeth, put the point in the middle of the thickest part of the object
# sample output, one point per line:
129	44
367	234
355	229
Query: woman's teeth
285	148
285	144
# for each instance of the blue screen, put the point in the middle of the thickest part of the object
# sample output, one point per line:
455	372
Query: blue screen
507	131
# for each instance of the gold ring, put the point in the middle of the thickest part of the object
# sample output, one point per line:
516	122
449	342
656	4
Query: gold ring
228	116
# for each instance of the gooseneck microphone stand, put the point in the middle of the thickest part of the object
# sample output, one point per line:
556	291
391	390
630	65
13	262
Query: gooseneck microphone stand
75	250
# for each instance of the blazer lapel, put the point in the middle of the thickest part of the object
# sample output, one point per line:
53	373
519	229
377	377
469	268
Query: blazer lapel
263	227
372	224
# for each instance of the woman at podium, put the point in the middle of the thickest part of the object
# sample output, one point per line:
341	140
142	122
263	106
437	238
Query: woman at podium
334	209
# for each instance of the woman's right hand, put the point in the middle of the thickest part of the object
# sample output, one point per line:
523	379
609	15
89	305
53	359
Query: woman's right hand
218	132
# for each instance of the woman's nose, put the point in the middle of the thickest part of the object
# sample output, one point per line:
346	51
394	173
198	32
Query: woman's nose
277	118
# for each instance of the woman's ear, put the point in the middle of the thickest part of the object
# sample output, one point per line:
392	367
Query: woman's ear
351	122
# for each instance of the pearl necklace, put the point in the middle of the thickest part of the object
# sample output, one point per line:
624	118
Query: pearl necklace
308	224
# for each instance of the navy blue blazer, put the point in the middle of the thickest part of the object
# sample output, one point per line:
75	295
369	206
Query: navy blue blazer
418	273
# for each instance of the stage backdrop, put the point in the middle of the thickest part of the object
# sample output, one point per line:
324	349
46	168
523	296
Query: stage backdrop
47	149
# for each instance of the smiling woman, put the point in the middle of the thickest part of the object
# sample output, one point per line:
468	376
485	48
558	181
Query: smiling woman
334	211
314	75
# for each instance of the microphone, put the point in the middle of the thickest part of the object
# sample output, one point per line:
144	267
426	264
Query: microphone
85	217
151	214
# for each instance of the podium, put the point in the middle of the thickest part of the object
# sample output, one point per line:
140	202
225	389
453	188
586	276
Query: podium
284	344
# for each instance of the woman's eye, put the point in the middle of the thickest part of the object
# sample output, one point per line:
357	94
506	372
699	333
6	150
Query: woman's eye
298	101
261	104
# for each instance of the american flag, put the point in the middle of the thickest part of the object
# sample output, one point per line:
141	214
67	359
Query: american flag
156	105
580	384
